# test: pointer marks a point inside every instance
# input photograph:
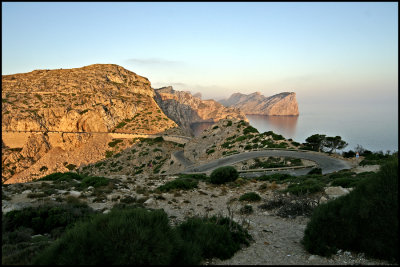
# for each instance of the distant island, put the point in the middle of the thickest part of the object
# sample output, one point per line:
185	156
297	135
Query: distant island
282	104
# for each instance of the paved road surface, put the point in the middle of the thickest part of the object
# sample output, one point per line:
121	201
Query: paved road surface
326	163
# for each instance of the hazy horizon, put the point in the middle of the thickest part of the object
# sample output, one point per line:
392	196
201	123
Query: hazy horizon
325	52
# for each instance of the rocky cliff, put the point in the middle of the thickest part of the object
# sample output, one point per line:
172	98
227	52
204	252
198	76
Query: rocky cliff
95	98
186	109
100	98
276	105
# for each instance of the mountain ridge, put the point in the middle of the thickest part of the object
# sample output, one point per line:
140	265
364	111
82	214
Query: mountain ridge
282	104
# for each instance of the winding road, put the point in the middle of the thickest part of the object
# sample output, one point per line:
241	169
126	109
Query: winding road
326	163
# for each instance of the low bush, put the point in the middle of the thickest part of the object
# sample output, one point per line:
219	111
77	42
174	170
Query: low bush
366	220
196	176
94	181
133	236
60	176
222	175
114	142
250	196
376	158
180	183
349	154
275	177
290	207
123	236
249	129
70	167
341	174
315	171
44	219
246	209
346	181
307	186
214	237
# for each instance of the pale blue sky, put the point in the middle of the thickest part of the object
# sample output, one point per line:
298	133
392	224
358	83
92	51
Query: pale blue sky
322	51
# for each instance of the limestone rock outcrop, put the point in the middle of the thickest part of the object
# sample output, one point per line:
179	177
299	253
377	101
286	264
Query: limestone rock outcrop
55	105
185	109
95	98
255	103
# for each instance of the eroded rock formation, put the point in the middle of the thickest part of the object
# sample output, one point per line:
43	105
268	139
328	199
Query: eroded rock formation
255	103
185	109
99	98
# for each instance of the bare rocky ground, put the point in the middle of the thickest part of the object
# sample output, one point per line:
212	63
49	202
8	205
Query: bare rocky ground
276	239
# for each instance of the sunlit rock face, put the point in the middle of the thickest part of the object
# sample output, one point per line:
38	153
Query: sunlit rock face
185	109
48	112
283	104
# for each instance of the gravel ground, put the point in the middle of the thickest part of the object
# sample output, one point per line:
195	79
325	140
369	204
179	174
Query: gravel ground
276	239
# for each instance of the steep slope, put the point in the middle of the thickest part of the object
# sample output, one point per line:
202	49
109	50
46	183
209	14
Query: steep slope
47	110
186	109
95	98
255	103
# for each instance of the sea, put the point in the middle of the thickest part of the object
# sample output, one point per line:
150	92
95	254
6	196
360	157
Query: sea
375	129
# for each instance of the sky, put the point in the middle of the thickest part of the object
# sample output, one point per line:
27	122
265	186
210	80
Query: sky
336	53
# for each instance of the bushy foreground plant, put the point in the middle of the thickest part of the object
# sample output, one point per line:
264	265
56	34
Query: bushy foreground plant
18	226
46	218
140	236
214	237
123	236
223	175
366	220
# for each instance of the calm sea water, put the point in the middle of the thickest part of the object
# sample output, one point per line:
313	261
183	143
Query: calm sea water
374	129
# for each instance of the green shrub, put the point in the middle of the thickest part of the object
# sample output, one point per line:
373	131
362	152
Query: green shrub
307	186
346	181
341	174
114	142
229	123
158	139
366	220
59	176
246	209
70	166
210	151
240	138
376	158
274	135
46	218
349	154
124	236
43	168
109	154
275	177
315	171
120	125
180	183
224	174
249	129
250	196
196	176
214	237
94	181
